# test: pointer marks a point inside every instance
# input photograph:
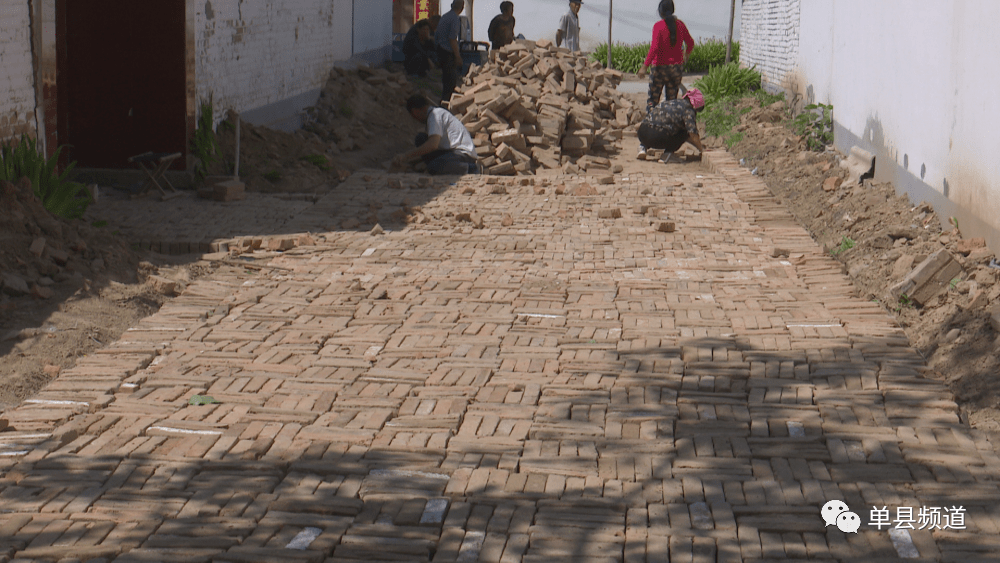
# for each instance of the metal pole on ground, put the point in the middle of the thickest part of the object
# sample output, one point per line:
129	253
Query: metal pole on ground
236	168
611	4
729	39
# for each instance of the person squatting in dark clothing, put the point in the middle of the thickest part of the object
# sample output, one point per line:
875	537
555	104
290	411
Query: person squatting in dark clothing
672	123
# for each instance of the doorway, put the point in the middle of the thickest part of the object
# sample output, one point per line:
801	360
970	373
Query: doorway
121	79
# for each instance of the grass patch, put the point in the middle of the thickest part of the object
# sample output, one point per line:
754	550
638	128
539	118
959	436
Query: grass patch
708	54
626	58
846	243
815	123
629	57
272	176
729	80
722	116
204	145
317	159
23	158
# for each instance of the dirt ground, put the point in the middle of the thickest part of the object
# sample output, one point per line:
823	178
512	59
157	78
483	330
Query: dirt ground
85	287
890	235
68	288
360	121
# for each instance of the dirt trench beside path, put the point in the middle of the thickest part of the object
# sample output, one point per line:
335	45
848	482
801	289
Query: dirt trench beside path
880	236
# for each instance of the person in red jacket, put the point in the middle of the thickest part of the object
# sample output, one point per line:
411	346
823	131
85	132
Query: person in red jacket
671	45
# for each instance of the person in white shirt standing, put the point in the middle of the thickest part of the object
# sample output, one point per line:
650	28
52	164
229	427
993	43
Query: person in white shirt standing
569	27
446	147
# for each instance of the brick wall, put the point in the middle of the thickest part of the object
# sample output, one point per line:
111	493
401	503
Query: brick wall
769	38
250	54
17	83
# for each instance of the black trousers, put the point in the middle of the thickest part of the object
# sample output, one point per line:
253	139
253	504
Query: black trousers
654	139
417	63
446	161
449	73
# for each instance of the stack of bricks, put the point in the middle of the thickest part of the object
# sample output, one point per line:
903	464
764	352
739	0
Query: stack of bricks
536	106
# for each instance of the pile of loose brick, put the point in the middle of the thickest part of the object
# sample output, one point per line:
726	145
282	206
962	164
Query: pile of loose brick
536	106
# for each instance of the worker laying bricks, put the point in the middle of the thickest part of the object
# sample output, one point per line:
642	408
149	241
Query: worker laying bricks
446	147
670	124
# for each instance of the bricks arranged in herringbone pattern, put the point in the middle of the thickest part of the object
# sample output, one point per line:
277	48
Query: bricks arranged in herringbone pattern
553	386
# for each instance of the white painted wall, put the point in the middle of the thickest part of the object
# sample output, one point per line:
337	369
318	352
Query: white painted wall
633	19
769	40
914	82
17	83
274	54
372	25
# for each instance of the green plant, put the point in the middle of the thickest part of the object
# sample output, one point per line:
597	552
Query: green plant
846	243
630	57
204	144
99	224
319	160
23	159
345	110
272	176
709	53
815	123
723	115
626	58
728	80
905	300
201	400
953	283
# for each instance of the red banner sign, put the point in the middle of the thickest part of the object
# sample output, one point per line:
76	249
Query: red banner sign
422	9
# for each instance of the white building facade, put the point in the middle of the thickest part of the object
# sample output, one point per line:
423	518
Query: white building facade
913	82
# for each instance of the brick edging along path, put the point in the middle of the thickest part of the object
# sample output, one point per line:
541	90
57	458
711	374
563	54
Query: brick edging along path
552	386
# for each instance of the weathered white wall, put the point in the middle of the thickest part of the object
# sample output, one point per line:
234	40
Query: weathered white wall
633	19
17	83
911	81
769	39
269	58
372	25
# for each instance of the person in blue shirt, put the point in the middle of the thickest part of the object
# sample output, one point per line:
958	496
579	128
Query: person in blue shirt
449	55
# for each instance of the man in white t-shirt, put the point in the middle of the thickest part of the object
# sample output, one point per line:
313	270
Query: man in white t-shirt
446	147
569	27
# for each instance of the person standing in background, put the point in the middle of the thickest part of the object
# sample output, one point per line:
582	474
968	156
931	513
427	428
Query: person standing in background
501	31
449	55
671	44
417	48
569	27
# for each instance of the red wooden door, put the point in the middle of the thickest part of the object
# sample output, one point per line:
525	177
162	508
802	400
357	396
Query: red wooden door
121	79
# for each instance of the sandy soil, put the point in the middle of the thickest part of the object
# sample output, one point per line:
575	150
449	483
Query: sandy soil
360	121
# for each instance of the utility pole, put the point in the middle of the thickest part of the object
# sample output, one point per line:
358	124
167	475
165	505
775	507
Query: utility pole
471	4
729	39
611	4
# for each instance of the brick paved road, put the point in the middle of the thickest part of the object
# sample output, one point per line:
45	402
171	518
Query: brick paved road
564	388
